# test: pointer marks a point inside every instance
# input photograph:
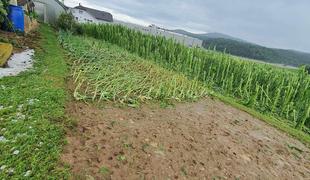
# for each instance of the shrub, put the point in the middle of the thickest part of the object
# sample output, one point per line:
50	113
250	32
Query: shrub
66	22
32	15
3	12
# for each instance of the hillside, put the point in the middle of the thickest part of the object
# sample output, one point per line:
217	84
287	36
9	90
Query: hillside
238	47
253	51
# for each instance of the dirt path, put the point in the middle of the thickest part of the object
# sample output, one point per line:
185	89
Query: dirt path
203	140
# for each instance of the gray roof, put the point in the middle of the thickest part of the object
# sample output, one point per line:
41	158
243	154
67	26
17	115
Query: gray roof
62	5
100	15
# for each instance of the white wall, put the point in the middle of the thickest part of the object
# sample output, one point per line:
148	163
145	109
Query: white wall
186	40
82	16
180	38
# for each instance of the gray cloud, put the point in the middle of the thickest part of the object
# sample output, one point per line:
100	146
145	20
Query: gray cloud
273	23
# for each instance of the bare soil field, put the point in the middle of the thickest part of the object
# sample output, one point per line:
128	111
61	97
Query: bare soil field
203	140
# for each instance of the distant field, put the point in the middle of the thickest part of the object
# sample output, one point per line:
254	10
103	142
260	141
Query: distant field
263	62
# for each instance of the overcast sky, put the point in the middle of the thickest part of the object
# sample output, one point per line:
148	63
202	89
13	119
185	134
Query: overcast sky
273	23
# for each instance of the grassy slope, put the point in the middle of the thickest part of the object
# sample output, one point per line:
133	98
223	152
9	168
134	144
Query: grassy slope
31	112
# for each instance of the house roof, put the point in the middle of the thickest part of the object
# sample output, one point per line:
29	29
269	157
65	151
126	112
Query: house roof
100	15
62	5
23	2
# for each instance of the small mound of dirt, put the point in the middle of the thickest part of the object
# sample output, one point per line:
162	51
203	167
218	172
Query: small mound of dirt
202	140
20	42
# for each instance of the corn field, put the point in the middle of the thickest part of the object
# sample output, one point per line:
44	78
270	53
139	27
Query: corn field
105	72
268	89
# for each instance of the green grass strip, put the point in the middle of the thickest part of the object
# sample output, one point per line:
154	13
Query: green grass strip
31	112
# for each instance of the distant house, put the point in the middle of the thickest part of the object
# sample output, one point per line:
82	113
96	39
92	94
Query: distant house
49	10
87	15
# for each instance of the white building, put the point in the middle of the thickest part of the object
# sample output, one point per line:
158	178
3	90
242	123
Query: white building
181	38
157	31
87	15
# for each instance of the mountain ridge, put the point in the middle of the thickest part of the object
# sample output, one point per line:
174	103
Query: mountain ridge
204	36
239	47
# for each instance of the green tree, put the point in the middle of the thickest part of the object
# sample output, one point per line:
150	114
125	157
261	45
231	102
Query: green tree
4	11
66	22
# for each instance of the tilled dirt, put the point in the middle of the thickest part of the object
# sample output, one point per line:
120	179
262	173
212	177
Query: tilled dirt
203	140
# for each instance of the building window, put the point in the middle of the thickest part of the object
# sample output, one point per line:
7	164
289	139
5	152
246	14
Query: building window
80	11
76	18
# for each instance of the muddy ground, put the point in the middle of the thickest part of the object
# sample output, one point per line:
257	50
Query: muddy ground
202	140
21	42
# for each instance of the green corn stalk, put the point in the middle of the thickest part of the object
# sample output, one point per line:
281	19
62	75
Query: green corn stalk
283	93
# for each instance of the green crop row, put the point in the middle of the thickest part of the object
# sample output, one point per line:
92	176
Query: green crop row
105	72
266	88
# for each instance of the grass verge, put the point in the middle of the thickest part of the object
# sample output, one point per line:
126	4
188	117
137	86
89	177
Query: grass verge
31	111
279	124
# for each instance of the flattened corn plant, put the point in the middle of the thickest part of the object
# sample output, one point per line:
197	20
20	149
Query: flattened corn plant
105	72
268	89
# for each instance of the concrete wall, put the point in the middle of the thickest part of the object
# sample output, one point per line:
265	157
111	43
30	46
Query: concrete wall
48	10
186	40
153	30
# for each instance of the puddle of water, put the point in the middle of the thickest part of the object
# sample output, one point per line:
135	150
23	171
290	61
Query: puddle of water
18	63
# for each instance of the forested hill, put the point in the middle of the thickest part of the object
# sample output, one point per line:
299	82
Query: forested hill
239	47
253	51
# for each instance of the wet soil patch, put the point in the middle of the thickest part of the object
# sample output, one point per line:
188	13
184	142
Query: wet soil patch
21	42
201	140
